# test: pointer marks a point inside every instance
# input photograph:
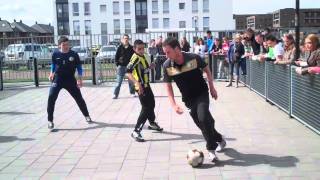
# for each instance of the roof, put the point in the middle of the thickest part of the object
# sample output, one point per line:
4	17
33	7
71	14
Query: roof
5	26
21	27
43	28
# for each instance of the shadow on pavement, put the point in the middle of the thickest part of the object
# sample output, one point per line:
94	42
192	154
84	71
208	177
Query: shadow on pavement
178	136
14	113
4	139
242	159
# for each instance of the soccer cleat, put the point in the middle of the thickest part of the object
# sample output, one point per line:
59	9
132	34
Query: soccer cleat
155	126
50	125
115	97
137	136
212	156
221	145
88	119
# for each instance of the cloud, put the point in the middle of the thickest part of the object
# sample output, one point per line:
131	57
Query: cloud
29	11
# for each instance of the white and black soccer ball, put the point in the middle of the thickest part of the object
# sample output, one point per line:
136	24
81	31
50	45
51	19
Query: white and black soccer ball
195	157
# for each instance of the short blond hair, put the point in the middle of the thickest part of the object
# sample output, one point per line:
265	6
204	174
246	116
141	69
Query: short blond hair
238	36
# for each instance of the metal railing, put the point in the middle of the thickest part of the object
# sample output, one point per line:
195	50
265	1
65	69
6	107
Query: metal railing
27	60
296	95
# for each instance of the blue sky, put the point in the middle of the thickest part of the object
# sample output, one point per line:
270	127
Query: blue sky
30	11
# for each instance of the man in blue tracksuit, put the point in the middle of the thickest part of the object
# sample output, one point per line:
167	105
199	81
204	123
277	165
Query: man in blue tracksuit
210	43
63	67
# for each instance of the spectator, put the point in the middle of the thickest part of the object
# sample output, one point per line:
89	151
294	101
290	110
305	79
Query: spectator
312	62
249	36
209	44
223	65
122	58
185	46
276	50
160	58
289	50
259	37
235	52
152	49
200	48
217	47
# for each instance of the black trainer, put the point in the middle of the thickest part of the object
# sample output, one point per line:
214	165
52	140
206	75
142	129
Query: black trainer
155	126
50	125
137	136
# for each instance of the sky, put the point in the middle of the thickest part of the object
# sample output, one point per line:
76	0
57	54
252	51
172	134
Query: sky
30	11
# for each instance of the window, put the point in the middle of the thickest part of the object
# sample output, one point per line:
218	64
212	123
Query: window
182	24
104	28
127	26
115	7
59	10
205	23
116	26
181	6
155	23
126	7
205	5
154	6
141	8
103	8
75	9
165	6
86	8
166	23
141	25
87	27
76	28
65	10
194	5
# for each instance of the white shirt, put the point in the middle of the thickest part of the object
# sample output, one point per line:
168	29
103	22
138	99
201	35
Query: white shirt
200	49
278	50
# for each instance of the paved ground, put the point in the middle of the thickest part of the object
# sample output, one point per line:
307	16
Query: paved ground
262	142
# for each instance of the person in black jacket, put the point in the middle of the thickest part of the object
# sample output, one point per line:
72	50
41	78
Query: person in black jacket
123	56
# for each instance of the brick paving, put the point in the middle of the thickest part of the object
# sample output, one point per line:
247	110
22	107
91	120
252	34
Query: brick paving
262	141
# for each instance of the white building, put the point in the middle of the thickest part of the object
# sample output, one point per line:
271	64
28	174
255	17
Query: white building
83	17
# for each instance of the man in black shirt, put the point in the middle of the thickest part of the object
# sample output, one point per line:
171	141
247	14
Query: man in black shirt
186	70
122	58
63	66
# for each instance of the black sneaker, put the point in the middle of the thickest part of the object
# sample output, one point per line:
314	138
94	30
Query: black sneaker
137	136
155	126
88	119
50	125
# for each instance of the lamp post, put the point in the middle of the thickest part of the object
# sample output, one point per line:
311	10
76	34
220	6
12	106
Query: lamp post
195	18
297	29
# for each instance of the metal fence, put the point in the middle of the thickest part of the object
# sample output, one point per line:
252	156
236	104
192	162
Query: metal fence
26	60
295	94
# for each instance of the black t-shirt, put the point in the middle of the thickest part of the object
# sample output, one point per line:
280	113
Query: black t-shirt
65	66
188	76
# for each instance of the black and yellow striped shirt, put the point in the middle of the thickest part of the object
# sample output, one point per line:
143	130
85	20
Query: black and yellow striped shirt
139	67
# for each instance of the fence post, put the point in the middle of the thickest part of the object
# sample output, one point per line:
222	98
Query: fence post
1	76
152	70
290	92
35	64
93	64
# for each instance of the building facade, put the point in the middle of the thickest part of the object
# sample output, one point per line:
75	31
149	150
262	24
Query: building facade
83	17
259	21
282	19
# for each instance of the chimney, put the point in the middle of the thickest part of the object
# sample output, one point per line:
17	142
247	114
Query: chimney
0	18
14	20
49	24
20	21
36	22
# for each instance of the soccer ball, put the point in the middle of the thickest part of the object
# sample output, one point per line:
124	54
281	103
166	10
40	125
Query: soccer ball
195	157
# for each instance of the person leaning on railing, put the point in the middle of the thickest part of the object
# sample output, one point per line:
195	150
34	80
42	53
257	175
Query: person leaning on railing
312	62
289	50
